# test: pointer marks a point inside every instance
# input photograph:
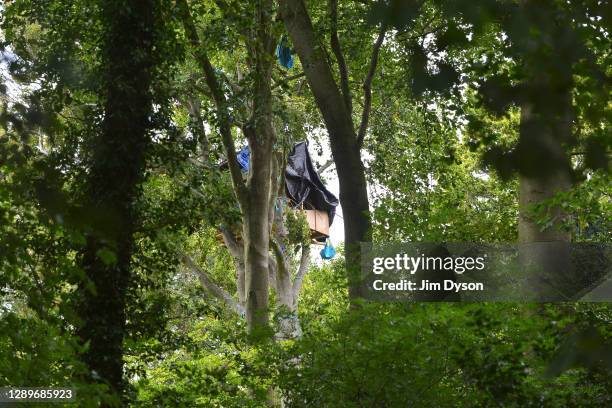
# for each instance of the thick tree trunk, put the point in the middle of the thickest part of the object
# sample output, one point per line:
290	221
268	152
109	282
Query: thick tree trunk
343	138
256	235
260	186
117	169
545	248
254	197
287	292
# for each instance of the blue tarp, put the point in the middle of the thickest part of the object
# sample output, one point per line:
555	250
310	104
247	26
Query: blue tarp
303	185
243	157
283	53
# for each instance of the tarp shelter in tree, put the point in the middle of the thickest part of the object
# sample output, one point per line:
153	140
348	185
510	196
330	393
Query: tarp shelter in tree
304	189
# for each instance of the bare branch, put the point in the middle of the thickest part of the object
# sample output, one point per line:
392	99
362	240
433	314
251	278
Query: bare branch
280	258
193	106
325	166
216	90
209	285
284	292
288	79
337	49
236	249
277	160
367	87
272	268
302	270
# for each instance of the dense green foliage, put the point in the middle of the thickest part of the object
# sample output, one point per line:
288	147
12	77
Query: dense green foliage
443	155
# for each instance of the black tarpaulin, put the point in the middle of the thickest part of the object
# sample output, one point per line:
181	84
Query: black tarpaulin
303	184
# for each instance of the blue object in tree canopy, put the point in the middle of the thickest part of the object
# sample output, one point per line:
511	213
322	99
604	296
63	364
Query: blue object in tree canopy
283	53
328	251
243	158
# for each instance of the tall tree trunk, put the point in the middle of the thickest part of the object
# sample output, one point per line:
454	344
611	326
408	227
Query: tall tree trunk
254	197
344	142
261	137
256	238
117	169
542	135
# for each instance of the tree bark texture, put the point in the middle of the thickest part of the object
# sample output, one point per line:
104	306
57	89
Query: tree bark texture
545	250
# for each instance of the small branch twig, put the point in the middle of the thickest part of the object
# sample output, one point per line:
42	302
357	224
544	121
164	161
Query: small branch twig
286	80
301	273
337	49
367	87
325	166
209	285
216	90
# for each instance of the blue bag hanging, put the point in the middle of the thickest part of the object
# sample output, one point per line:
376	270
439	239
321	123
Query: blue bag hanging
328	251
283	53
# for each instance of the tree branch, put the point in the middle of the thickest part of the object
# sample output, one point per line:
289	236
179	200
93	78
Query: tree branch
280	258
217	291
367	87
197	122
337	49
284	289
287	79
272	268
275	178
215	87
236	249
325	166
301	273
319	74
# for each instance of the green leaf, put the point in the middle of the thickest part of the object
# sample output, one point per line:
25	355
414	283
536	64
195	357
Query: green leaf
107	256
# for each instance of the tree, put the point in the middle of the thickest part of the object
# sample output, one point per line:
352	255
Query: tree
117	168
543	55
257	196
428	185
335	105
168	256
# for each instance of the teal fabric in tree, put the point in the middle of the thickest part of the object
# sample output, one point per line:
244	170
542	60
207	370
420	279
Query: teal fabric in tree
283	53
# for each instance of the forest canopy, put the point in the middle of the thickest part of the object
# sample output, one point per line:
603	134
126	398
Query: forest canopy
186	187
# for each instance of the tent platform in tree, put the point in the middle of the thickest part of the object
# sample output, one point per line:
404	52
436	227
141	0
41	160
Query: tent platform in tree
304	189
318	222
